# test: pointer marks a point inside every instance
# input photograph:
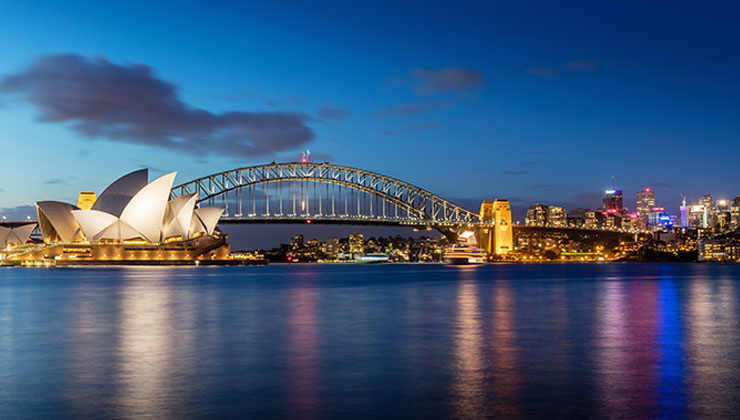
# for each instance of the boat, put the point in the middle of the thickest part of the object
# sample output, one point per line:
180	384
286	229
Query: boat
464	255
371	258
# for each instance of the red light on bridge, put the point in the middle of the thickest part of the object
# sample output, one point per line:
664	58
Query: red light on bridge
308	221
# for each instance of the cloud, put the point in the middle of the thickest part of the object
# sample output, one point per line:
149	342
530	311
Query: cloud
333	113
18	213
2	190
428	124
449	79
528	163
55	181
583	65
129	104
662	185
413	108
390	132
516	172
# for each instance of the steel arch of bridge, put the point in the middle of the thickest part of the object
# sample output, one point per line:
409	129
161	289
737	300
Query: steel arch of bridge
418	207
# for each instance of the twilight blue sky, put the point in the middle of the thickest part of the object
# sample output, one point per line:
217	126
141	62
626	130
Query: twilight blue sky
471	100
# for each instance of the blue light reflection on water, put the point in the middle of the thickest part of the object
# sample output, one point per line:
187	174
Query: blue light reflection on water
402	341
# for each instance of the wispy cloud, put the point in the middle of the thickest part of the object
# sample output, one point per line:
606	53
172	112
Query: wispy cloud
555	72
333	113
516	172
18	213
128	103
413	108
449	79
55	181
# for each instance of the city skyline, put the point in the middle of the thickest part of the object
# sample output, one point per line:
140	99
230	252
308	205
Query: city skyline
567	103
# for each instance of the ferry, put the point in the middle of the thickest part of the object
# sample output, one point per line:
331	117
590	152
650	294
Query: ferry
371	258
464	255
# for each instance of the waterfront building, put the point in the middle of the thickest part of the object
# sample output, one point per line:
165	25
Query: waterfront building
131	220
684	214
331	247
536	215
296	242
356	243
14	236
556	217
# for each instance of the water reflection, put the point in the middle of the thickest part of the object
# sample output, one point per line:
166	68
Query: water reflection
303	358
672	397
506	382
469	369
145	372
712	333
627	349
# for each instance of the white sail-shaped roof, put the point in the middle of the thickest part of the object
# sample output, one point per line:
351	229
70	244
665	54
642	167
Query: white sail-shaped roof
119	231
178	216
94	222
98	225
56	221
145	211
205	220
4	232
21	233
116	197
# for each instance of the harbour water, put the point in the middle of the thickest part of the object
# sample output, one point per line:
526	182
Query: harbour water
371	341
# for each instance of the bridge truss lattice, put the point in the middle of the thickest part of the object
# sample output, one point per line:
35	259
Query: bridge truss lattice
324	193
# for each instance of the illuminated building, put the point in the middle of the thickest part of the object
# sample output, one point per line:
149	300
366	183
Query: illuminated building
582	218
537	215
709	210
645	202
684	214
15	236
356	243
131	220
499	239
556	217
296	242
86	200
613	200
735	213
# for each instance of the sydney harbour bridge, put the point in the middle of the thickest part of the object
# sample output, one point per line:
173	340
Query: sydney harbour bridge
325	193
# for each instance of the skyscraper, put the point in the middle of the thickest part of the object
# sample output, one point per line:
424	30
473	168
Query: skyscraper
613	200
645	203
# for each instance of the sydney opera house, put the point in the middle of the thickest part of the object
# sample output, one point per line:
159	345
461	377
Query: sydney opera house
131	221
